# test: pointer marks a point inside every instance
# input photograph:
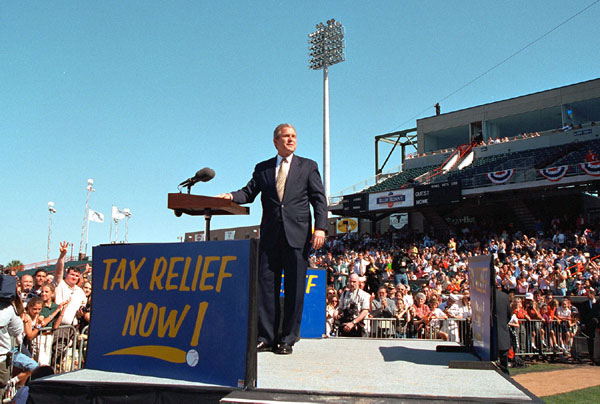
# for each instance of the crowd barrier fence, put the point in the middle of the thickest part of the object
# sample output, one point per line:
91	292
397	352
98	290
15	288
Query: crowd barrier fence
63	349
530	338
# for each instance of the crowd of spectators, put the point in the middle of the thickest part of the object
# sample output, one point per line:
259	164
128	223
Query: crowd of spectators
421	280
52	310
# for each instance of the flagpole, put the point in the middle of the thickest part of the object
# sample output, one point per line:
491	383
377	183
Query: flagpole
116	230
110	234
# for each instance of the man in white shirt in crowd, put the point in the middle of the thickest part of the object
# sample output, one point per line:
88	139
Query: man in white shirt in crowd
67	290
353	308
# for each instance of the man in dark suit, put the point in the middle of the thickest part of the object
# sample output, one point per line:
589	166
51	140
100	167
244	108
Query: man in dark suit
288	185
502	318
589	313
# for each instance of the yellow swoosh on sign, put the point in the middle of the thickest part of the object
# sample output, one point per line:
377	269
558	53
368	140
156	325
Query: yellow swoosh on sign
165	353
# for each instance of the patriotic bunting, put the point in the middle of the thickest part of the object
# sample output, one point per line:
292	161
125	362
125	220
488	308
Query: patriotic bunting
500	177
591	168
554	173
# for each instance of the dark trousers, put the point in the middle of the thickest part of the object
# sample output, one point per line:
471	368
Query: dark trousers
590	330
272	262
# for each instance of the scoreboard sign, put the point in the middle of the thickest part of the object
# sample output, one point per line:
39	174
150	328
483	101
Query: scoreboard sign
355	203
437	194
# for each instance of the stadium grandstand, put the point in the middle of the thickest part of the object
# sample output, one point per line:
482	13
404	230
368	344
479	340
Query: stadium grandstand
518	160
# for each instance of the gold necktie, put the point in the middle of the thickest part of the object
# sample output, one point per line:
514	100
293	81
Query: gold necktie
281	177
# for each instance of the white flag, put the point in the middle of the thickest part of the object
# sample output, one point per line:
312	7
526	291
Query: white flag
95	216
117	214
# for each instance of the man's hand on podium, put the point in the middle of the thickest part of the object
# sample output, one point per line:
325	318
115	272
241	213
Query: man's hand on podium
225	196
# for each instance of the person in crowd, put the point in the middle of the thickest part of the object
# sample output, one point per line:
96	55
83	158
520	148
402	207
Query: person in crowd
340	273
533	313
514	328
331	314
71	297
353	309
26	286
84	313
39	278
437	327
51	312
382	306
420	314
402	315
563	315
22	363
11	325
33	323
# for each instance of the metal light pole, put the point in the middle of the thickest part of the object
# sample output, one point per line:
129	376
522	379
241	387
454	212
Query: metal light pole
326	48
51	210
90	189
127	216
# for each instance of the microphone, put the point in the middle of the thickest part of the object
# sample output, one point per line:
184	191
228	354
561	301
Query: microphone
204	175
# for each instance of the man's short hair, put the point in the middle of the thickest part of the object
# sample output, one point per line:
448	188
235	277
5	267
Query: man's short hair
281	126
41	270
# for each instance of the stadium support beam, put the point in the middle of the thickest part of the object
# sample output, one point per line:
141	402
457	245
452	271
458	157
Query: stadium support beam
404	138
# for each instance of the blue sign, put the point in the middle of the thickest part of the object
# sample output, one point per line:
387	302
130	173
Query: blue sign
313	315
177	310
481	287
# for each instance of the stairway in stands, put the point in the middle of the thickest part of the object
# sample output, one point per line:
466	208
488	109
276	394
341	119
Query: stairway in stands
522	213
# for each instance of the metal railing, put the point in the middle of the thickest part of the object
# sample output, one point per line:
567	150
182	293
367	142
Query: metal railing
530	338
452	329
537	337
63	349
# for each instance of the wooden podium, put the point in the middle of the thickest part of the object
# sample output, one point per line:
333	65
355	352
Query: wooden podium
196	205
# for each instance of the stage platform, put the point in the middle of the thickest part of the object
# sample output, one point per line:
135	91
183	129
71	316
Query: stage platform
320	370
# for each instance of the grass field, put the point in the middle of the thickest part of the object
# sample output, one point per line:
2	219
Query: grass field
539	367
589	395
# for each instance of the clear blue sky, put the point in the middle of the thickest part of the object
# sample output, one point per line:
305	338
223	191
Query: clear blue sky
139	95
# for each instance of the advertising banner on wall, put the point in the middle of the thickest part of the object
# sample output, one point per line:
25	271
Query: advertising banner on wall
402	198
481	287
176	310
398	220
346	225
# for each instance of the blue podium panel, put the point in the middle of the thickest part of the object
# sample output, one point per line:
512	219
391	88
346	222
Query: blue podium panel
313	315
177	310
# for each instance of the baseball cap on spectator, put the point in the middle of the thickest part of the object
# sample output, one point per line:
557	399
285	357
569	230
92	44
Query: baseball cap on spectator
528	296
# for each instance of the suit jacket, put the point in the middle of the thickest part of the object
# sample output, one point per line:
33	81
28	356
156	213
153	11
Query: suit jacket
503	316
587	313
303	188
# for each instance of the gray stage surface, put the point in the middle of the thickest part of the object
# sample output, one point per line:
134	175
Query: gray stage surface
345	366
374	367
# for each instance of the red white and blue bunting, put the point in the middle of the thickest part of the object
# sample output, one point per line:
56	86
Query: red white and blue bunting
591	168
500	177
554	173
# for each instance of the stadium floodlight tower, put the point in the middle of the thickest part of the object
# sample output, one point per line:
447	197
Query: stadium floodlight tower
326	48
90	189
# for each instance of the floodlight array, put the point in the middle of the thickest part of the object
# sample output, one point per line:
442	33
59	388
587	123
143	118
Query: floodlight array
326	45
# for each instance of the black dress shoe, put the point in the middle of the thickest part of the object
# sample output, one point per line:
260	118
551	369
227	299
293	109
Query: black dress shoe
263	347
284	349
